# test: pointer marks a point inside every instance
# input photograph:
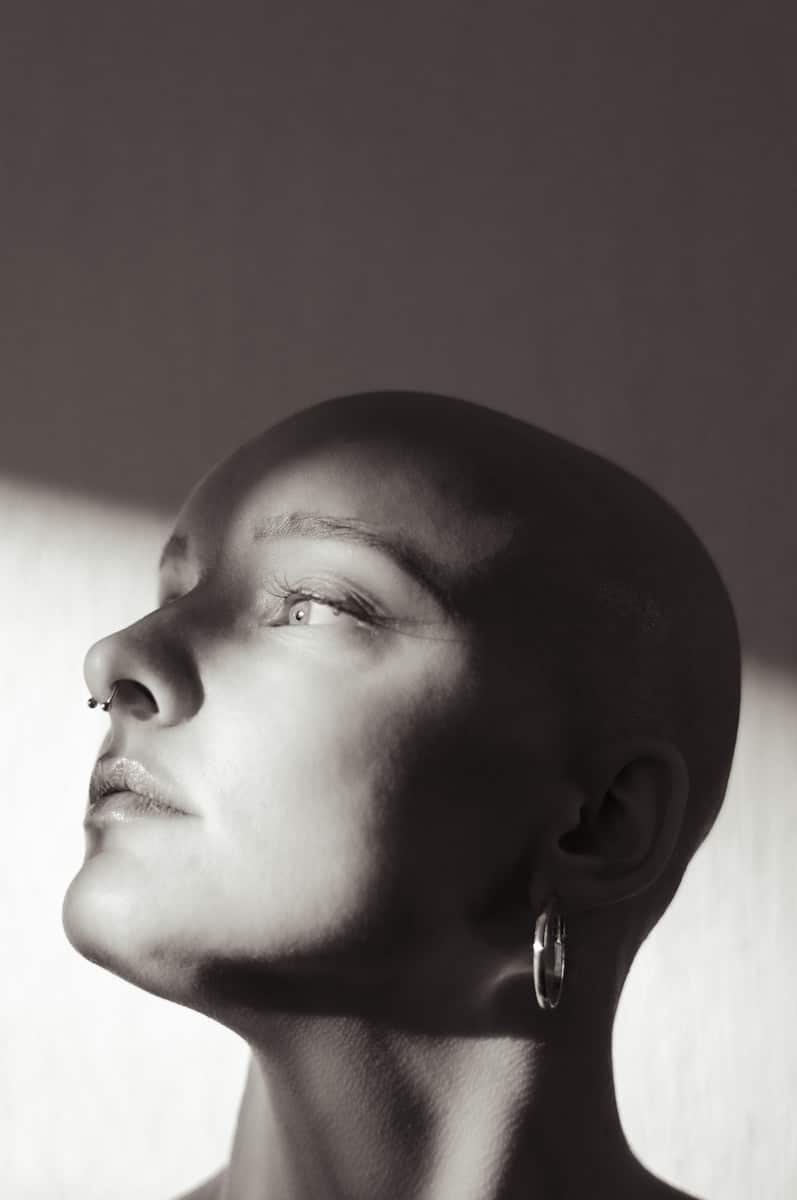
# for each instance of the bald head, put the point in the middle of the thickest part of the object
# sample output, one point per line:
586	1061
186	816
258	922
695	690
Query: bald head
575	572
439	664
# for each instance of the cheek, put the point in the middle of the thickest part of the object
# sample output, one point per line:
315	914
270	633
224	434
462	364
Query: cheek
323	804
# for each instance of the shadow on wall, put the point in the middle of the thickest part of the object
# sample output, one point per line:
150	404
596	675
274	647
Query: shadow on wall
586	222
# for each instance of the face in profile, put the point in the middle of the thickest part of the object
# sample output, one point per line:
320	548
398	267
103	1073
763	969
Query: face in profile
309	697
414	667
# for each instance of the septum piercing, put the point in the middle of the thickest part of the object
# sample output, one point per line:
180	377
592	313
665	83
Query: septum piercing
104	704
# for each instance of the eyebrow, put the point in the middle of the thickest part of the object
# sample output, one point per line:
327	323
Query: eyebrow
414	562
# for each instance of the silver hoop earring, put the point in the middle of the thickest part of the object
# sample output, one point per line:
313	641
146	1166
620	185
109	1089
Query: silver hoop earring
548	955
104	704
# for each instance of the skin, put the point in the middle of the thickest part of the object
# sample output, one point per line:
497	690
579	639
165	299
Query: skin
386	783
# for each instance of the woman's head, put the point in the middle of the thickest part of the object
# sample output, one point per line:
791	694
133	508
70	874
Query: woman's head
415	665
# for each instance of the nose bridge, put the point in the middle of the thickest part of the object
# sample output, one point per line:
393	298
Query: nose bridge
152	660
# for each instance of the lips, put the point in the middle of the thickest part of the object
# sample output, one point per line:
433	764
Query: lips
128	775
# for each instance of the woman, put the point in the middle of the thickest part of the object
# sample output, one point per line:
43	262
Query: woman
433	712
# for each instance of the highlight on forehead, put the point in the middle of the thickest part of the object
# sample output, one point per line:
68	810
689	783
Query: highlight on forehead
411	559
394	545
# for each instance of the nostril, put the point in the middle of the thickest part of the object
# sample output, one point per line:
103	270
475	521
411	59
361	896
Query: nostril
135	698
154	668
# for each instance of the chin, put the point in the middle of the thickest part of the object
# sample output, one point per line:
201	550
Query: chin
107	918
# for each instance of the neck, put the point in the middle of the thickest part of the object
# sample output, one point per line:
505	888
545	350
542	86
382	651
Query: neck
349	1109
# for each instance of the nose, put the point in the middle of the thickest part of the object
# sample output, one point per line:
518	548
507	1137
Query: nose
154	671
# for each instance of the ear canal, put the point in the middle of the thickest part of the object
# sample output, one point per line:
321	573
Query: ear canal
581	839
619	841
612	830
616	831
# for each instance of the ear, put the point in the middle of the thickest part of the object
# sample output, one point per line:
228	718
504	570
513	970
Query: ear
615	840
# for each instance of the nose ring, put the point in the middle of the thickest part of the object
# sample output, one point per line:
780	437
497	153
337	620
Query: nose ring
104	704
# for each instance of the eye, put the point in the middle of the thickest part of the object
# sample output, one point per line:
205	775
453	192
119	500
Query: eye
311	610
304	605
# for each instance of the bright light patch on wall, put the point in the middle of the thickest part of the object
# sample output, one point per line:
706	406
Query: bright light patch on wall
106	1090
705	1067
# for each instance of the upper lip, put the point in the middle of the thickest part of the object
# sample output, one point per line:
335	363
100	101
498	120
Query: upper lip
129	775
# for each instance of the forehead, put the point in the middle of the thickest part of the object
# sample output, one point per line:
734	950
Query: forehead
433	502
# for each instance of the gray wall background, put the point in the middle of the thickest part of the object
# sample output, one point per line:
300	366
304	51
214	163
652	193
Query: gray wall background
580	213
583	214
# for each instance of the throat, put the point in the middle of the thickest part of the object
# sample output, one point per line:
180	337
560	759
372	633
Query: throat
354	1113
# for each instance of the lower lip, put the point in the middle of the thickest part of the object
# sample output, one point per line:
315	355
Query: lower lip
127	806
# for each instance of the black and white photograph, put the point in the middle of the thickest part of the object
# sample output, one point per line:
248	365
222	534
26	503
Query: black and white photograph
397	477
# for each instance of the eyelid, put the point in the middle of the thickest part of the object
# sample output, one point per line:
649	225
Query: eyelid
332	595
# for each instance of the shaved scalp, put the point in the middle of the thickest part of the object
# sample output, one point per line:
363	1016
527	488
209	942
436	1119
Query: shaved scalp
602	590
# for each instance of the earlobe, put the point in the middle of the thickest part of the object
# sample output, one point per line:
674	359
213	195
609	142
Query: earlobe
627	827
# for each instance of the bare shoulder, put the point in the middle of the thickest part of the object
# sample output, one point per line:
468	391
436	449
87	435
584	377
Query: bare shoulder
209	1190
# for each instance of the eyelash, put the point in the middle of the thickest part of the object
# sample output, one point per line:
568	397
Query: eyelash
347	603
281	589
